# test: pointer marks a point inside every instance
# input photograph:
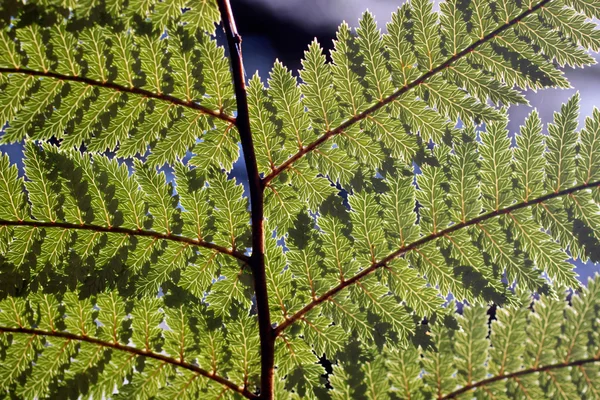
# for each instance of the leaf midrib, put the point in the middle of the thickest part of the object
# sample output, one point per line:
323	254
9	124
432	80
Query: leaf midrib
134	352
380	104
422	241
119	88
126	231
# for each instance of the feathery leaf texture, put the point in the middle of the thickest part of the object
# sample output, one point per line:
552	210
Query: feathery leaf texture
61	340
120	91
383	190
550	350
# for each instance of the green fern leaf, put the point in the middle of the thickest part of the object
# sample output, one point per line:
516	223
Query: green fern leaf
346	80
278	278
398	208
589	10
202	15
588	166
375	379
470	346
572	24
434	214
32	111
439	376
268	153
367	232
13	199
369	41
377	184
542	249
427	47
64	44
553	45
495	167
244	351
158	195
317	88
409	286
230	210
404	371
286	97
156	119
339	380
560	160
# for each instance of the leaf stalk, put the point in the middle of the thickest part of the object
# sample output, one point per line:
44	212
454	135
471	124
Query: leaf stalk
114	86
391	98
257	259
424	240
132	350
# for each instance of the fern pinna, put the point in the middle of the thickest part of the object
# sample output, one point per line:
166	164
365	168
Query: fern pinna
378	184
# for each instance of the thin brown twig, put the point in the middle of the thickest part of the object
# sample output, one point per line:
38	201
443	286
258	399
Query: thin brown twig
424	240
124	89
380	104
257	259
136	351
497	378
132	232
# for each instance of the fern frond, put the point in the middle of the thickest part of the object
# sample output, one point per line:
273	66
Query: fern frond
510	240
526	353
337	248
279	280
230	290
404	371
399	203
368	234
317	88
108	78
286	97
193	15
572	24
589	10
78	202
263	127
66	345
561	144
377	77
389	171
453	47
588	166
464	186
470	346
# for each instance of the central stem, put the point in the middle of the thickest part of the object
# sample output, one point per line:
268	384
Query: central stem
257	259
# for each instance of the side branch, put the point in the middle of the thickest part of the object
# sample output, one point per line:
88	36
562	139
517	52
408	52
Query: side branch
493	379
424	240
138	352
359	117
120	88
132	232
257	260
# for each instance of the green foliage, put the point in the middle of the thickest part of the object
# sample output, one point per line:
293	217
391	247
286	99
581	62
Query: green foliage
111	86
100	344
387	181
541	349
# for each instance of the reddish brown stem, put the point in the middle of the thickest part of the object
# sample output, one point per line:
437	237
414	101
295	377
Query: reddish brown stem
137	351
493	379
424	240
257	259
132	232
124	89
380	104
